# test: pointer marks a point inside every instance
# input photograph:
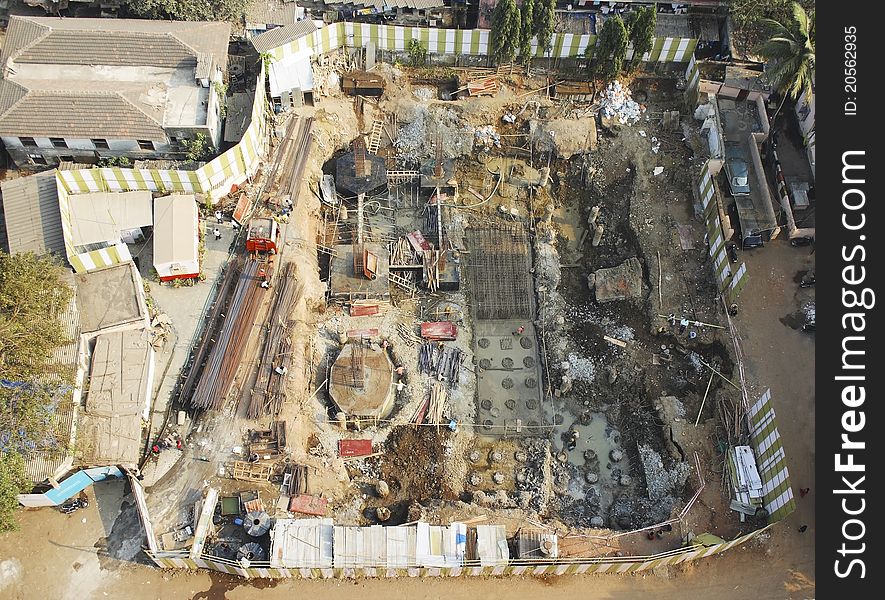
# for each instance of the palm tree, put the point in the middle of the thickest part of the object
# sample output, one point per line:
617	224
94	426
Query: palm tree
790	55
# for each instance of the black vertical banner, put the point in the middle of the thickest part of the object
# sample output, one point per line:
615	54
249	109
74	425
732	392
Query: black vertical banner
849	256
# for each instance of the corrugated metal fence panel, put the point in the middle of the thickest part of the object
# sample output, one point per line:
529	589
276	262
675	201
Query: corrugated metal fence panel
179	560
692	74
771	459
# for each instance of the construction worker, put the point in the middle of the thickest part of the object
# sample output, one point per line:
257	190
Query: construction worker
573	439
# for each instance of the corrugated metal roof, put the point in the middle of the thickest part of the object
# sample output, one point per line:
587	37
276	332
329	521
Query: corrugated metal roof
101	216
175	229
271	12
280	36
205	63
31	214
693	25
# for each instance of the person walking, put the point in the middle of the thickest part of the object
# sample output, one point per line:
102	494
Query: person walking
219	216
573	439
217	233
519	331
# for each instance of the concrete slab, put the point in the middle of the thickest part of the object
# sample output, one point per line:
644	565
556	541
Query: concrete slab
345	283
110	298
508	379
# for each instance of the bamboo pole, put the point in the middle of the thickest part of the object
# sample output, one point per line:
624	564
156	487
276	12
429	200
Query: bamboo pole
696	421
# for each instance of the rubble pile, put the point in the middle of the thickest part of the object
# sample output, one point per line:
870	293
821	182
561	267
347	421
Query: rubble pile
424	125
664	485
618	104
486	136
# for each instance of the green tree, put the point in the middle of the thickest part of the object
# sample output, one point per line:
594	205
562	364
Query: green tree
33	296
197	148
789	52
188	10
749	12
606	57
544	16
527	30
13	481
505	31
417	53
641	32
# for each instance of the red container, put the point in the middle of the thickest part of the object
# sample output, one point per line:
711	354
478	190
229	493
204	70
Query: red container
439	331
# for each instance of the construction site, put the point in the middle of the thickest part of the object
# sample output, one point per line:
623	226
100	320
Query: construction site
471	317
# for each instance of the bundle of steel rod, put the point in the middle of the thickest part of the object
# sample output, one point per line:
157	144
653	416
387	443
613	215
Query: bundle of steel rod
267	395
211	331
441	362
407	335
218	375
431	409
301	150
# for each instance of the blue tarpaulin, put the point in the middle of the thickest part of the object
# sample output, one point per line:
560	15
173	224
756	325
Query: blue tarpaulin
79	481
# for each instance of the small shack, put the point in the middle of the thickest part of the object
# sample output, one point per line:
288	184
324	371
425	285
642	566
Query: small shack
176	237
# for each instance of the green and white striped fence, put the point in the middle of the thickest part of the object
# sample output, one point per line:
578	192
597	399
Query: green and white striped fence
730	277
771	460
395	38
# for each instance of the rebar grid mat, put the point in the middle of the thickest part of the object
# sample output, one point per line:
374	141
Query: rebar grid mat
498	271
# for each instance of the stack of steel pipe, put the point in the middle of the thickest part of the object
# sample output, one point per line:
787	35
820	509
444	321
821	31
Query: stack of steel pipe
214	322
441	362
268	393
224	360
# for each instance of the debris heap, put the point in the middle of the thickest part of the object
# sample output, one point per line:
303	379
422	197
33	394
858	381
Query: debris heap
617	103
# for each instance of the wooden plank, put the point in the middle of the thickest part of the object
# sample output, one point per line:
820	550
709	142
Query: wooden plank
615	341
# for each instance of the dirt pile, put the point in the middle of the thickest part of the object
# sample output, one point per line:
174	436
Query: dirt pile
564	137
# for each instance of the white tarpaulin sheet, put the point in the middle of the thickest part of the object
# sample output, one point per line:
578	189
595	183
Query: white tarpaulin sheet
290	73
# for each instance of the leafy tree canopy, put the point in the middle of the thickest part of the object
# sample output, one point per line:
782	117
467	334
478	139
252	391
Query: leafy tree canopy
527	29
790	52
33	295
607	56
505	31
544	13
13	481
188	10
640	25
